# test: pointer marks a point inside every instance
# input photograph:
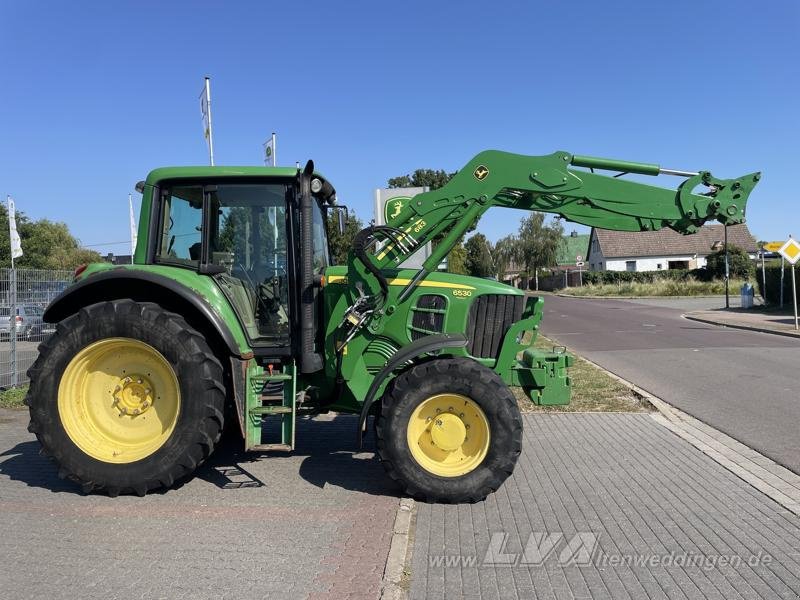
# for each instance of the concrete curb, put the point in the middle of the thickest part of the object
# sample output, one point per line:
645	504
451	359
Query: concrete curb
691	317
395	582
775	481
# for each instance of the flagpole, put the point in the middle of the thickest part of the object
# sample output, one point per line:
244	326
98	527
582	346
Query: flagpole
274	151
8	210
12	290
133	228
210	133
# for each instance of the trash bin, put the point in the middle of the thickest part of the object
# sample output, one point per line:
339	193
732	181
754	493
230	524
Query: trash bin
747	295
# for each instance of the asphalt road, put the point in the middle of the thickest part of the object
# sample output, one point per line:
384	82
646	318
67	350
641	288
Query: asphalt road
746	384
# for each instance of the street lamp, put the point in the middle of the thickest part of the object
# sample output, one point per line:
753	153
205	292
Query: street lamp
716	247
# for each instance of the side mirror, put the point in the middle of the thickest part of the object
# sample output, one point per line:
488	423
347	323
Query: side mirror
341	218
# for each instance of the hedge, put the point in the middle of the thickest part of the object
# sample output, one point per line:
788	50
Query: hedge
773	275
611	277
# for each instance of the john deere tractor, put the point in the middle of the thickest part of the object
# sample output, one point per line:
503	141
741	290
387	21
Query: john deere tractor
233	312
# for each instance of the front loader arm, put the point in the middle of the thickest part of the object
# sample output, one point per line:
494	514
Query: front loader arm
557	184
548	184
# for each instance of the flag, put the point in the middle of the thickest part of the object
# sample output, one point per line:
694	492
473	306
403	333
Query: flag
205	111
269	151
204	114
16	243
133	226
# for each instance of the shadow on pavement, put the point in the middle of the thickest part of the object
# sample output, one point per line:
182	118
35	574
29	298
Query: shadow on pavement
325	452
29	467
331	458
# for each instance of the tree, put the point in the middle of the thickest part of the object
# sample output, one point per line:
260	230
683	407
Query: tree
739	263
422	178
456	260
506	253
539	243
534	247
340	243
46	244
478	260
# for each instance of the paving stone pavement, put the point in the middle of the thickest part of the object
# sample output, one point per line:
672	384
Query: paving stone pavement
314	524
609	506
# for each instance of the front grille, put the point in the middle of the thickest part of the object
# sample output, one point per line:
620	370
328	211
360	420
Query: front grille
490	316
427	316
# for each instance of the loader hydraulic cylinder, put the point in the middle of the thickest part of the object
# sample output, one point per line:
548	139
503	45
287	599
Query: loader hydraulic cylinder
625	166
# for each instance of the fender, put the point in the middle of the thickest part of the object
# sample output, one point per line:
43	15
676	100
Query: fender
429	343
127	283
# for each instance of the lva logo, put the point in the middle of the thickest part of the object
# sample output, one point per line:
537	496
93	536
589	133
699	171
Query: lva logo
577	550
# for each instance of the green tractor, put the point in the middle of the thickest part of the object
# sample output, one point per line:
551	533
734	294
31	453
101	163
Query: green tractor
233	313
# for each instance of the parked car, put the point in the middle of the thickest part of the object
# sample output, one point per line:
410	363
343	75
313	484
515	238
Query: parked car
28	320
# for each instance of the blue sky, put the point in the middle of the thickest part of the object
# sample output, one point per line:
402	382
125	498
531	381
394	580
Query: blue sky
95	94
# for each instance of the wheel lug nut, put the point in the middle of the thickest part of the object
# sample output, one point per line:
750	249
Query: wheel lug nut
139	381
450	409
461	415
438	410
466	426
429	419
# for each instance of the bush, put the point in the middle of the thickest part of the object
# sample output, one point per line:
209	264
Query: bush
739	263
660	287
616	277
773	274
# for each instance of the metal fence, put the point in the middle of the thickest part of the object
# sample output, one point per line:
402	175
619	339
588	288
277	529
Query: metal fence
24	294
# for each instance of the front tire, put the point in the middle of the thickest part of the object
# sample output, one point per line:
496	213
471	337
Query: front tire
449	430
126	397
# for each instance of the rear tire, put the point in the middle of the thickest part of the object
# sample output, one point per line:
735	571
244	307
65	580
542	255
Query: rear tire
90	397
456	463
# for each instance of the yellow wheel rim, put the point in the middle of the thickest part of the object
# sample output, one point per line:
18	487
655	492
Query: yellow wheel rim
118	400
448	435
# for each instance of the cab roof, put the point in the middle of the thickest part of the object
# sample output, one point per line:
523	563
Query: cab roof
203	172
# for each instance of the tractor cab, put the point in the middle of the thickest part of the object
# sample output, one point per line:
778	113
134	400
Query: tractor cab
245	228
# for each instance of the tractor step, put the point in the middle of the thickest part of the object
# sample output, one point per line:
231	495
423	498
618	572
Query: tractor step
272	447
274	377
271	398
271	410
271	417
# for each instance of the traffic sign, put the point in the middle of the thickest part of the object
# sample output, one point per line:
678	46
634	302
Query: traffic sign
772	246
579	263
578	258
790	251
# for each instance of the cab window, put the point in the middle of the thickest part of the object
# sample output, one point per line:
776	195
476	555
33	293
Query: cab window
320	240
181	226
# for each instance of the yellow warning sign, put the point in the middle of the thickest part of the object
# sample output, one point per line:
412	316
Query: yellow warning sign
772	246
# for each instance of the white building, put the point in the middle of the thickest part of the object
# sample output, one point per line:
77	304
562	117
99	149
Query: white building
663	249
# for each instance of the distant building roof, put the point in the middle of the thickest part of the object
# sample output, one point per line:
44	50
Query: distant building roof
666	242
118	259
574	245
